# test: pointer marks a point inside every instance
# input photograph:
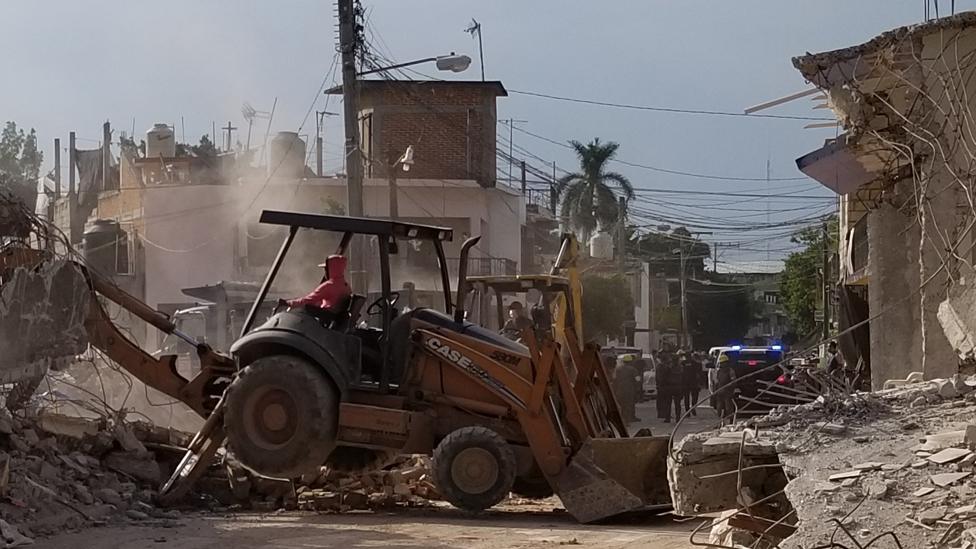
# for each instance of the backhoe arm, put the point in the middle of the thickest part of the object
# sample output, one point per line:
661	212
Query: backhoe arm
200	393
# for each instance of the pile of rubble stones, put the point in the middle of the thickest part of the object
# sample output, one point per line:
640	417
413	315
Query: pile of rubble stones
59	473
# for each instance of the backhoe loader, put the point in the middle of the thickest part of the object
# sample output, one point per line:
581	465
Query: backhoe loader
310	388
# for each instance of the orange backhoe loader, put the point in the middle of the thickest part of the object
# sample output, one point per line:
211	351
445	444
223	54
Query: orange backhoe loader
311	388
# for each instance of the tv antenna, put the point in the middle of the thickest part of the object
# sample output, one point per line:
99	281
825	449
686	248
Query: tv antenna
251	114
475	28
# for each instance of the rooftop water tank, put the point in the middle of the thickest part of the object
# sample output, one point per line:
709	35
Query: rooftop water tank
601	246
286	157
160	141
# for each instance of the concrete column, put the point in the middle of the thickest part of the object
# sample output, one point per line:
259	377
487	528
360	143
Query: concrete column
938	357
896	337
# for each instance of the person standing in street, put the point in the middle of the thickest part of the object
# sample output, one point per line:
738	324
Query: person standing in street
677	391
665	378
691	381
626	381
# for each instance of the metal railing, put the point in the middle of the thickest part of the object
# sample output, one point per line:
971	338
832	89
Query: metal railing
484	266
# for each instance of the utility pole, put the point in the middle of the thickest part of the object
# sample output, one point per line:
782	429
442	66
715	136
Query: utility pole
57	168
511	144
72	191
684	296
621	233
683	278
552	191
522	165
228	128
715	248
825	285
71	164
106	153
348	46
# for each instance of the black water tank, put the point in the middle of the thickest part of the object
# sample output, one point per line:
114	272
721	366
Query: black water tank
98	245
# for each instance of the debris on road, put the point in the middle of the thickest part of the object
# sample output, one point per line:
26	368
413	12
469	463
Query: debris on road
801	466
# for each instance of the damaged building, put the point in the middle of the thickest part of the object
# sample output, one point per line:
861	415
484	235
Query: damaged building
158	212
903	169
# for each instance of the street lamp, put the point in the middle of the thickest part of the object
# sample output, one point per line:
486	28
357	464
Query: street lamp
402	163
452	62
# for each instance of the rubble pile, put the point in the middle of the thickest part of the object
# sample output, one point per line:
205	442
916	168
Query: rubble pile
407	483
897	463
61	473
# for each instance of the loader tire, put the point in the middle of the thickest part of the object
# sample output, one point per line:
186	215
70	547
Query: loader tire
351	460
474	468
281	416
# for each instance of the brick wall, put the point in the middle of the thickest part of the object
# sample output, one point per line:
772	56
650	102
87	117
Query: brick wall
451	127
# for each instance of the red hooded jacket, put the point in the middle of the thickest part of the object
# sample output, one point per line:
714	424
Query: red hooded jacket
333	291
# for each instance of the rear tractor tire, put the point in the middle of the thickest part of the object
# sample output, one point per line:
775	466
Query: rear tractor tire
281	416
474	468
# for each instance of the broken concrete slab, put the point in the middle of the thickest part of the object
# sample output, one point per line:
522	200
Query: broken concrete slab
845	475
922	492
941	441
932	515
700	483
869	466
135	465
949	455
717	446
68	426
42	318
945	479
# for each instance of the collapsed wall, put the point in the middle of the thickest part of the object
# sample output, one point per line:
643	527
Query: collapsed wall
42	318
895	464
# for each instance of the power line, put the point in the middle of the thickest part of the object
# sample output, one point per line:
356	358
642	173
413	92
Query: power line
665	170
665	109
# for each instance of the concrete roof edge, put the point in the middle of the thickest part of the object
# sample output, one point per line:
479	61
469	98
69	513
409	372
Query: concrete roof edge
496	85
810	63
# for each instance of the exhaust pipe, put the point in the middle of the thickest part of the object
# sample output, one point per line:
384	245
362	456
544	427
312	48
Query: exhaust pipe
462	285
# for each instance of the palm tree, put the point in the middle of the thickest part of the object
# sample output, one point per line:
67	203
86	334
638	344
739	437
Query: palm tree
589	196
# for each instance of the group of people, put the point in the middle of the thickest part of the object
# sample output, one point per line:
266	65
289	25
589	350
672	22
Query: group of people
679	376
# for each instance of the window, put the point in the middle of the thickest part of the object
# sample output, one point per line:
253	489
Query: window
771	297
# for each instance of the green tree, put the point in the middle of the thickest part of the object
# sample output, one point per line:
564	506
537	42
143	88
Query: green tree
589	196
11	142
800	284
607	305
20	162
204	149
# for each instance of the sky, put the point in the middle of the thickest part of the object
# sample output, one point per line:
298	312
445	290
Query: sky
193	63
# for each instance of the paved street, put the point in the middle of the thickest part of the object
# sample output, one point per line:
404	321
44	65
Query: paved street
647	412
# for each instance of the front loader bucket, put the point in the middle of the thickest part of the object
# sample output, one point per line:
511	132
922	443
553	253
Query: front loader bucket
610	476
